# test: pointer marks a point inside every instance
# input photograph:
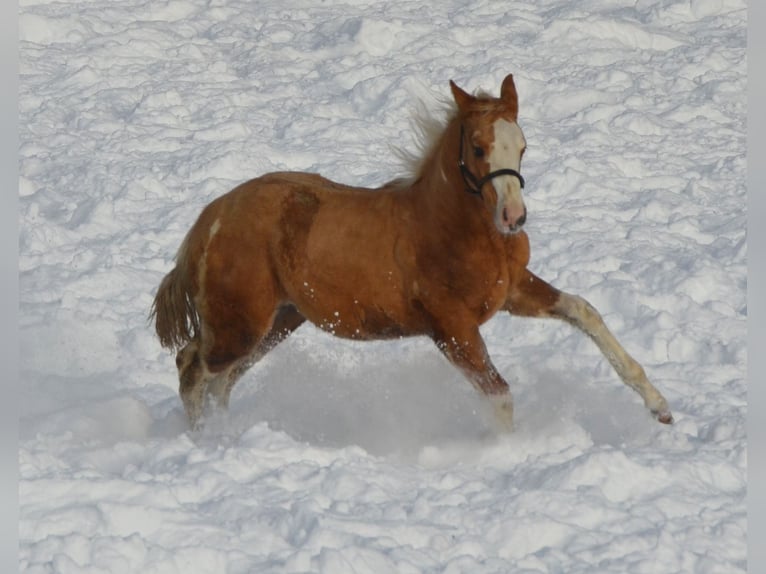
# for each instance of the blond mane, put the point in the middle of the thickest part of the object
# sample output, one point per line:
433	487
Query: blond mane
428	125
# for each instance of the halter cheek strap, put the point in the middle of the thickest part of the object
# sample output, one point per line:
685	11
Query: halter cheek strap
473	184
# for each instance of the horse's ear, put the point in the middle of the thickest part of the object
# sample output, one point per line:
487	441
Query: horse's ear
462	98
508	94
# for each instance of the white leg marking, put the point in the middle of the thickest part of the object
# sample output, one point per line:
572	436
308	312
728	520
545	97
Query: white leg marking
502	406
583	315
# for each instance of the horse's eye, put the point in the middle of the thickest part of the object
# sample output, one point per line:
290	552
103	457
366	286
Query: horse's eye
478	152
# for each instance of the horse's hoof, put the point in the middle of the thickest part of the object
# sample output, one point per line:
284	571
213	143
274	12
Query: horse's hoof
195	424
665	417
503	411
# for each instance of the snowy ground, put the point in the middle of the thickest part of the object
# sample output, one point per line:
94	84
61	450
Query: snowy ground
343	457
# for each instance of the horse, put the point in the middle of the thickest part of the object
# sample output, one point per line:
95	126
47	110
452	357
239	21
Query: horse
435	255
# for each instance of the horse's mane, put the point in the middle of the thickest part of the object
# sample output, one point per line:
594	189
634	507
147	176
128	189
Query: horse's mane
429	123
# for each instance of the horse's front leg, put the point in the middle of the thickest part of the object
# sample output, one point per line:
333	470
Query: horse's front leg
533	297
462	344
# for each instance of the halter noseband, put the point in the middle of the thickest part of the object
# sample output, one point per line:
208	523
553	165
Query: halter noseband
473	184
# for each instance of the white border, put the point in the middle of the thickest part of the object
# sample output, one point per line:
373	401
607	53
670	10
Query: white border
756	286
9	292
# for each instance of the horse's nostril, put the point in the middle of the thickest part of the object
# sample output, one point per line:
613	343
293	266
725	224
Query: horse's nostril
522	220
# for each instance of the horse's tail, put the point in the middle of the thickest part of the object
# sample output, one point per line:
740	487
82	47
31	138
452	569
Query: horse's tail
176	320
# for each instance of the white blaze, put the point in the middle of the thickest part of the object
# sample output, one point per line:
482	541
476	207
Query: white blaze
506	153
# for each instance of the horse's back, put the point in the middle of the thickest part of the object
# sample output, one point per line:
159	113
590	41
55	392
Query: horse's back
266	203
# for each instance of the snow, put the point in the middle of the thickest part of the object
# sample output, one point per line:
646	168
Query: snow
378	457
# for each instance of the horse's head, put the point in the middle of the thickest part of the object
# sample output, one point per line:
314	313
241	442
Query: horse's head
490	151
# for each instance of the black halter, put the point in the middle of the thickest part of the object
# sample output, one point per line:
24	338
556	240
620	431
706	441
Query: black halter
473	184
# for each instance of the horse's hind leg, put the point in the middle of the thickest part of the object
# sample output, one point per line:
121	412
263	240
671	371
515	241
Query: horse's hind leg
193	378
533	297
210	376
286	320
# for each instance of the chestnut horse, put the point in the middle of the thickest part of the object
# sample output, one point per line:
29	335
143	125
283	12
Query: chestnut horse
436	255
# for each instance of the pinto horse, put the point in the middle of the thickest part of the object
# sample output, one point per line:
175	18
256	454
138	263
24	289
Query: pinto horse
436	255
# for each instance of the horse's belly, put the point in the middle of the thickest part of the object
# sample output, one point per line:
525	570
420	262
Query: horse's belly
357	310
363	325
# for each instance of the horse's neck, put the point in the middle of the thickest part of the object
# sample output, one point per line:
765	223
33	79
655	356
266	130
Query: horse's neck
441	190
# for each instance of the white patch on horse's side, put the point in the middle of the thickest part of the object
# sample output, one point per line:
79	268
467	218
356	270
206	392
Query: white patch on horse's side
202	266
214	229
506	153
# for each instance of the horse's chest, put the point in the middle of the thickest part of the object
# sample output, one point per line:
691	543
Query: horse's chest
489	295
475	279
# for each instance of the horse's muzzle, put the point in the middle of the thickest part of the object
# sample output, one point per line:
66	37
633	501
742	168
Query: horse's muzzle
514	221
